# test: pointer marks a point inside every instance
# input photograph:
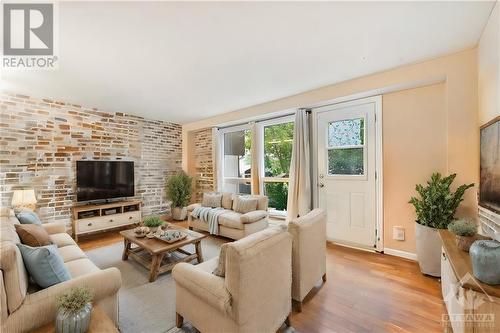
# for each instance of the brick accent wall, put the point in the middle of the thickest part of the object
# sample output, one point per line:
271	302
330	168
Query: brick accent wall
40	140
204	165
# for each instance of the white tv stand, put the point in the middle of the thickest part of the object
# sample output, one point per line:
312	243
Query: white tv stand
100	217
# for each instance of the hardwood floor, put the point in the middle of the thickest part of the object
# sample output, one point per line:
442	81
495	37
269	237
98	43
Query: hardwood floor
364	292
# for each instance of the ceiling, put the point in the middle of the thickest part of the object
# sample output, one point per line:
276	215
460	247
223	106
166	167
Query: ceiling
182	62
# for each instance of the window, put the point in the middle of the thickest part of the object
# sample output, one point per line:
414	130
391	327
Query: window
273	154
237	161
346	144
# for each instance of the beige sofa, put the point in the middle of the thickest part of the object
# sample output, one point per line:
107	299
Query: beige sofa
254	295
233	224
23	307
308	254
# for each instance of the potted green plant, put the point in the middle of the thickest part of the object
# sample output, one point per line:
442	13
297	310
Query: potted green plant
435	209
73	311
465	231
178	190
153	222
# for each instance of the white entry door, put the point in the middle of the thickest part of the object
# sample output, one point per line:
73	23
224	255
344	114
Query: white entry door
347	156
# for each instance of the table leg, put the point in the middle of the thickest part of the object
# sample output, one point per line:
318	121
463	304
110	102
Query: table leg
156	260
126	248
198	252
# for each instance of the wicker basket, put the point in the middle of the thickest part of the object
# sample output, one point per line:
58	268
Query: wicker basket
464	242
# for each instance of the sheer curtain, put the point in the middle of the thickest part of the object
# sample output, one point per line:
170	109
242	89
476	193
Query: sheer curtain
299	190
255	177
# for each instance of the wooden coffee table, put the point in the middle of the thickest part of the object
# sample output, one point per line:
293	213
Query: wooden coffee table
159	256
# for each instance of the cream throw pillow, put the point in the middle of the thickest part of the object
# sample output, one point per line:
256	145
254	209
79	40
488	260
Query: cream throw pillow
212	200
220	270
245	204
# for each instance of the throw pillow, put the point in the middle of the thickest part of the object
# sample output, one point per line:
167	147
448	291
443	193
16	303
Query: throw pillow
227	200
33	235
44	264
220	270
245	204
212	200
28	217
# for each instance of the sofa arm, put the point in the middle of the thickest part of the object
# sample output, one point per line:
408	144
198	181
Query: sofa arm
191	207
208	287
54	227
103	284
253	216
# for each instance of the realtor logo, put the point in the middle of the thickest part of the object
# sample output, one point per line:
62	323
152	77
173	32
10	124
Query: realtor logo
28	36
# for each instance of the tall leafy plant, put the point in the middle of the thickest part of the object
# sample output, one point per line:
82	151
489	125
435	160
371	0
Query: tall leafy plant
179	189
437	204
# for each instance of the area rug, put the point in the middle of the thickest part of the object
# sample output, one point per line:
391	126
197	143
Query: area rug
144	306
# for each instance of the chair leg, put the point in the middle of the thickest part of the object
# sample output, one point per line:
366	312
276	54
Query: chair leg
298	306
324	277
287	321
179	320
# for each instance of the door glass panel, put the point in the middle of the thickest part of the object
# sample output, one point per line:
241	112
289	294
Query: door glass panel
349	132
345	161
237	157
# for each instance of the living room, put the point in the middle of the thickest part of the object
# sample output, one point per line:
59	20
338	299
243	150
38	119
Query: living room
250	167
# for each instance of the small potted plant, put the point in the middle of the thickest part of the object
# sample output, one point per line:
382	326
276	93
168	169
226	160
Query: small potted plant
73	311
435	209
464	230
178	190
153	222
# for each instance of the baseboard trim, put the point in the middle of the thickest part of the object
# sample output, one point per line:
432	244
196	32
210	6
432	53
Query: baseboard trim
399	253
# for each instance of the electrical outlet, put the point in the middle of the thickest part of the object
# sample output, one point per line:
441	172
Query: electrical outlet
398	233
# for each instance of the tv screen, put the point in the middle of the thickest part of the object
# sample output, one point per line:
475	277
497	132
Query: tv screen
489	187
97	180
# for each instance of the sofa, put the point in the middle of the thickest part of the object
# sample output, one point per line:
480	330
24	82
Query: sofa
254	294
232	224
308	253
23	305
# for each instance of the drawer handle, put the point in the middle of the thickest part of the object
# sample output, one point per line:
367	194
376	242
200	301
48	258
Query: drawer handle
89	224
130	217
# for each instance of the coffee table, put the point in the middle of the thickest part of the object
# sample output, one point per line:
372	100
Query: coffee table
159	256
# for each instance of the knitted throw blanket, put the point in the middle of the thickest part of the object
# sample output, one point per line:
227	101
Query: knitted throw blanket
209	215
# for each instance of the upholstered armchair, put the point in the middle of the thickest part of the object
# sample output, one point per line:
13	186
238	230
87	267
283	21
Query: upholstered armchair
254	295
308	254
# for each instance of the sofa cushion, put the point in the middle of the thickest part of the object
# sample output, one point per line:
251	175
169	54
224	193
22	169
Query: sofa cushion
33	235
71	252
244	204
220	270
28	217
62	239
231	220
253	216
227	200
81	267
44	264
212	200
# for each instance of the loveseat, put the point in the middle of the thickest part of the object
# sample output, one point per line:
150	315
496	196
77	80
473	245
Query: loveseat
23	305
232	224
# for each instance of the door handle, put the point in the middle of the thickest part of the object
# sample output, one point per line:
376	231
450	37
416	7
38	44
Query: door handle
321	185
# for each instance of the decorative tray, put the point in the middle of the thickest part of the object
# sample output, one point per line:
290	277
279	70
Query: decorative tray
171	236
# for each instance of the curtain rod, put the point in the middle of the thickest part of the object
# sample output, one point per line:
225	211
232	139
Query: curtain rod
264	119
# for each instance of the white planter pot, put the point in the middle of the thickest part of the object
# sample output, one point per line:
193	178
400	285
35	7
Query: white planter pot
428	250
179	213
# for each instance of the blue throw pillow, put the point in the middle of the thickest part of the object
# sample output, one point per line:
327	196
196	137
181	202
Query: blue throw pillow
28	217
44	264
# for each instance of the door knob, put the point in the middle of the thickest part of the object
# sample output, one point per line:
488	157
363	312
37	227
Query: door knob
321	185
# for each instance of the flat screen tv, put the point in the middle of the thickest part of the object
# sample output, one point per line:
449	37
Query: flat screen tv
489	187
98	180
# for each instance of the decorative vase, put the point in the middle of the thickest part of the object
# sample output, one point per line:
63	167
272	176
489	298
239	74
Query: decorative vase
485	257
179	213
77	322
464	242
428	249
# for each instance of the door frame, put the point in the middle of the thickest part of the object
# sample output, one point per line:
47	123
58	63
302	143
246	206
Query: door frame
379	181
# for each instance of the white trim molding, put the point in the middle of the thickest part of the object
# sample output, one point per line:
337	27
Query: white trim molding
401	254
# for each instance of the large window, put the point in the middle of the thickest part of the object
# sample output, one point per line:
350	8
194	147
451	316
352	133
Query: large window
277	154
237	160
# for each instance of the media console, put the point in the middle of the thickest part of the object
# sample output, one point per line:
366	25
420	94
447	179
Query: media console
100	217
